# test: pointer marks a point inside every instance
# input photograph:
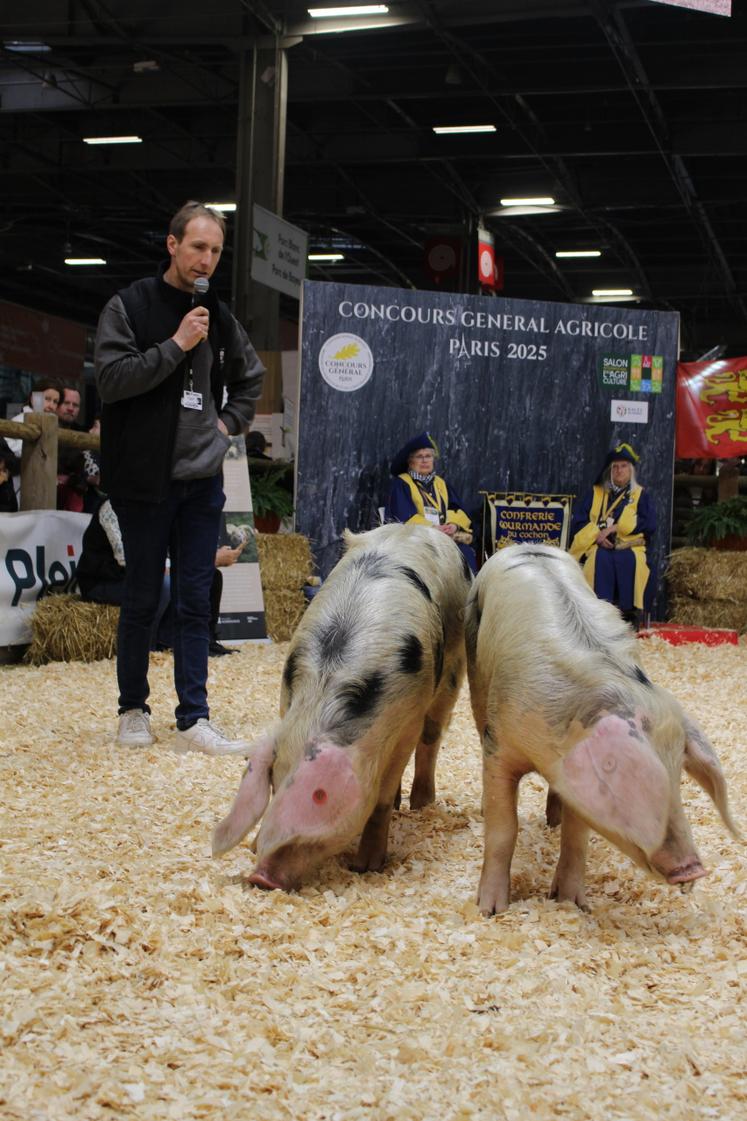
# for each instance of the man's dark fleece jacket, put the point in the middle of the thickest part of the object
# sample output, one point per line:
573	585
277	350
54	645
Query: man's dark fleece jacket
148	438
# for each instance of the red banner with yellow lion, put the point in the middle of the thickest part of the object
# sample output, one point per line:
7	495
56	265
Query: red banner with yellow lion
712	409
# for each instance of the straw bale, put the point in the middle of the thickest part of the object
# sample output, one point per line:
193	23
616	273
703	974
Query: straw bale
283	610
143	980
708	613
284	560
66	629
708	574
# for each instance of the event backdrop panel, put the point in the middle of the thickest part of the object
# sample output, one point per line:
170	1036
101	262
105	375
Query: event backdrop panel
519	395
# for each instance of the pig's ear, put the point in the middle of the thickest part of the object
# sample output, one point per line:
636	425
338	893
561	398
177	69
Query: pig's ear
702	764
252	798
613	779
352	540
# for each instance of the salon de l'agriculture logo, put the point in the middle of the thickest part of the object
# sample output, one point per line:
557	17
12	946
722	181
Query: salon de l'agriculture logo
640	373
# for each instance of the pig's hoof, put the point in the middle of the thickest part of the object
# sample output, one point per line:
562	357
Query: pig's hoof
577	897
421	798
489	905
362	865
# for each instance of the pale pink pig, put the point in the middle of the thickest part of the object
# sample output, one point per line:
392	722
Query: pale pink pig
557	688
372	673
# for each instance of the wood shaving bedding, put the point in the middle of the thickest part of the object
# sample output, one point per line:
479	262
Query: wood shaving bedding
141	979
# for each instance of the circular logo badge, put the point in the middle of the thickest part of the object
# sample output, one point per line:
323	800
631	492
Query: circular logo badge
346	362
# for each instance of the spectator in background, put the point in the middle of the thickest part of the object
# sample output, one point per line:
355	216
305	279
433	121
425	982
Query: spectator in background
256	445
51	391
72	477
420	496
8	467
611	532
92	469
68	409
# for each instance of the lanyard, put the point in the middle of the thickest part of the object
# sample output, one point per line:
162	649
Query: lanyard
429	498
607	510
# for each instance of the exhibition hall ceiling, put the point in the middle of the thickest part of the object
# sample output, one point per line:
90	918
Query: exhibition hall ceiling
629	114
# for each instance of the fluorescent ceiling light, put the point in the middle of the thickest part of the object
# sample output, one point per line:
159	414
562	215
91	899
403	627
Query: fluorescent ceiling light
112	139
85	261
351	10
326	257
578	253
544	200
225	207
446	130
611	292
23	46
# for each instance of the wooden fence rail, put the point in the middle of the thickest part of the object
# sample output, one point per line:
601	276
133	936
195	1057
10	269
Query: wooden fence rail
42	436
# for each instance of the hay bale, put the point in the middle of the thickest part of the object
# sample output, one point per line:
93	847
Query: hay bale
708	574
284	560
285	566
283	610
689	612
66	629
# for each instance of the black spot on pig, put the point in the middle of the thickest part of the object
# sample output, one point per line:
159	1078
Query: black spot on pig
311	751
411	655
373	565
641	676
466	570
289	670
413	577
361	697
333	640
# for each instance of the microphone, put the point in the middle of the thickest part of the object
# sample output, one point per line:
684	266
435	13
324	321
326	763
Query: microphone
200	289
201	286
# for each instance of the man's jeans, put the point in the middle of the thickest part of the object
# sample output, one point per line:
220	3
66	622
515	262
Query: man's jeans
186	526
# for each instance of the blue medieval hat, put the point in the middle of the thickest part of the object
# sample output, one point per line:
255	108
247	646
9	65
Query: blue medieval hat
621	451
424	440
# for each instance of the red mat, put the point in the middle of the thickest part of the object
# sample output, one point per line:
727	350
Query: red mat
678	635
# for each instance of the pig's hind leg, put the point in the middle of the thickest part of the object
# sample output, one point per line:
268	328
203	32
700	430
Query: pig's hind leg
499	799
568	881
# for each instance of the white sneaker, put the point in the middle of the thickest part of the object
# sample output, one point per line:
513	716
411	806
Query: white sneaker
206	738
134	729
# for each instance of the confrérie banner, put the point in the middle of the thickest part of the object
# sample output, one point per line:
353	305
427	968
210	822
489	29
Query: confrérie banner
712	409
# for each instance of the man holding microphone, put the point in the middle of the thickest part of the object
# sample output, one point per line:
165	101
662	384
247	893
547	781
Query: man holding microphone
167	354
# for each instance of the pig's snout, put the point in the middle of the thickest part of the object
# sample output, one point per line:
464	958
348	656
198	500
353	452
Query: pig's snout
262	879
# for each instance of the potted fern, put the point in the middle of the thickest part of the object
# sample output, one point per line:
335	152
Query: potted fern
271	500
722	525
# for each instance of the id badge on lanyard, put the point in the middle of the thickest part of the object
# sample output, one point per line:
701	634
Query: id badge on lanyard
431	515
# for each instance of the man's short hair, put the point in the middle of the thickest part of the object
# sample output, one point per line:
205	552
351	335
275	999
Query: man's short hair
192	210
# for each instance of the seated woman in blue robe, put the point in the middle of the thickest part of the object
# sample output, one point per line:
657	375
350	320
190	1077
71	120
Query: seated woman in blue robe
418	495
611	531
